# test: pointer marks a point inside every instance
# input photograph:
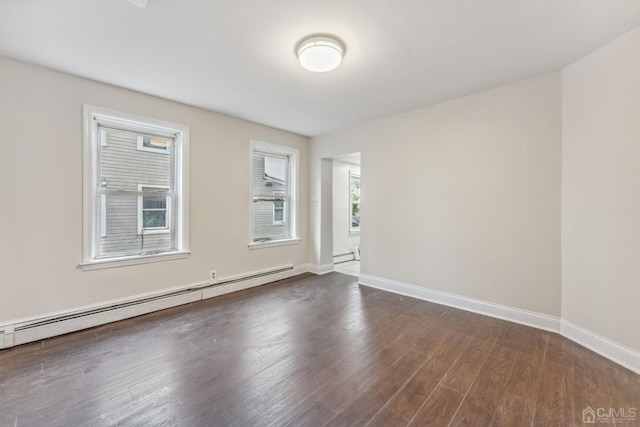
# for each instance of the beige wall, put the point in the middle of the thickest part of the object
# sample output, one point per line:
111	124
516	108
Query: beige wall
462	197
343	240
601	191
41	194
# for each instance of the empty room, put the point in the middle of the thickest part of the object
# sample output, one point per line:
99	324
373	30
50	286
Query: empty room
304	213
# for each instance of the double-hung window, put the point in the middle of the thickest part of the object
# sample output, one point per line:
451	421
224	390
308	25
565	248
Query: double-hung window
273	195
135	190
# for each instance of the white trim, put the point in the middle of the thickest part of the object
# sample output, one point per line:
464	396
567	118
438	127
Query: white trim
273	243
24	330
612	350
512	314
319	269
100	264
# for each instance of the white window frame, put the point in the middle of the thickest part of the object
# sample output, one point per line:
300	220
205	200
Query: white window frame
353	230
153	230
291	214
92	228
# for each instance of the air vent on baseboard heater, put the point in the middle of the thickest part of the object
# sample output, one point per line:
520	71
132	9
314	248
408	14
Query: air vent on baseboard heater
25	331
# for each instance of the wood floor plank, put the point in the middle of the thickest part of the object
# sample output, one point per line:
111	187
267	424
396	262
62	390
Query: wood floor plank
387	418
464	370
487	390
524	379
439	408
590	388
310	350
554	404
624	392
366	405
413	394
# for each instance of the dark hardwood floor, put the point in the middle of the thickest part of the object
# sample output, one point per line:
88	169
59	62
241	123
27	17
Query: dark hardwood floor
310	351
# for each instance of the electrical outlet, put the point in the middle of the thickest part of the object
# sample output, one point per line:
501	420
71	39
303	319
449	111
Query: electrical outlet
213	276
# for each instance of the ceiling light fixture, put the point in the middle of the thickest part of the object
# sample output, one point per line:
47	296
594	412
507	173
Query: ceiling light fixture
320	53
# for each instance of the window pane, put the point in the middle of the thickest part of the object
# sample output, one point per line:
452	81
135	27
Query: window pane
122	166
354	196
263	222
154	219
278	211
121	223
154	202
275	169
157	143
273	213
269	175
355	216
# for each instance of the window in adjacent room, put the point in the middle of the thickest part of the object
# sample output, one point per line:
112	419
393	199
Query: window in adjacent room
126	222
354	203
273	194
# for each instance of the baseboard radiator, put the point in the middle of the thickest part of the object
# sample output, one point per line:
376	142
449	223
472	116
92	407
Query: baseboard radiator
349	256
34	329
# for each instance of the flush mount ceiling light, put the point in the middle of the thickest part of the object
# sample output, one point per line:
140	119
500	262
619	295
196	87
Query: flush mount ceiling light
320	53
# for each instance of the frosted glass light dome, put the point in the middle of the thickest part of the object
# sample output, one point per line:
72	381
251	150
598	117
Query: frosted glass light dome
320	53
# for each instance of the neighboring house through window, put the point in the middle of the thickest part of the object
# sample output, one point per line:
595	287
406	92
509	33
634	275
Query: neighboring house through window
273	194
278	213
154	215
135	172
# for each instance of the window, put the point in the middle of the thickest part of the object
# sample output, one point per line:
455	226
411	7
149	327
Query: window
354	202
153	210
278	212
135	198
273	195
153	144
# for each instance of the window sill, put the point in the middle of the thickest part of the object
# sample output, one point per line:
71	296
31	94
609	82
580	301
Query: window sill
273	243
150	231
133	260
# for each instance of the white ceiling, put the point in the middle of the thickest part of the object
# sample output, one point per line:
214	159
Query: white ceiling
237	56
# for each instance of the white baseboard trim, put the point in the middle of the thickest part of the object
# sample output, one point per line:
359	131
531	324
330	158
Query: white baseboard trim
613	351
516	315
25	330
319	269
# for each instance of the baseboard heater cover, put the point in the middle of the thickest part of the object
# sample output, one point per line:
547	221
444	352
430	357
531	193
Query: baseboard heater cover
25	331
346	257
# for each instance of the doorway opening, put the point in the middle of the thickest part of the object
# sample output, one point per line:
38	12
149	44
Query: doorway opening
346	213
